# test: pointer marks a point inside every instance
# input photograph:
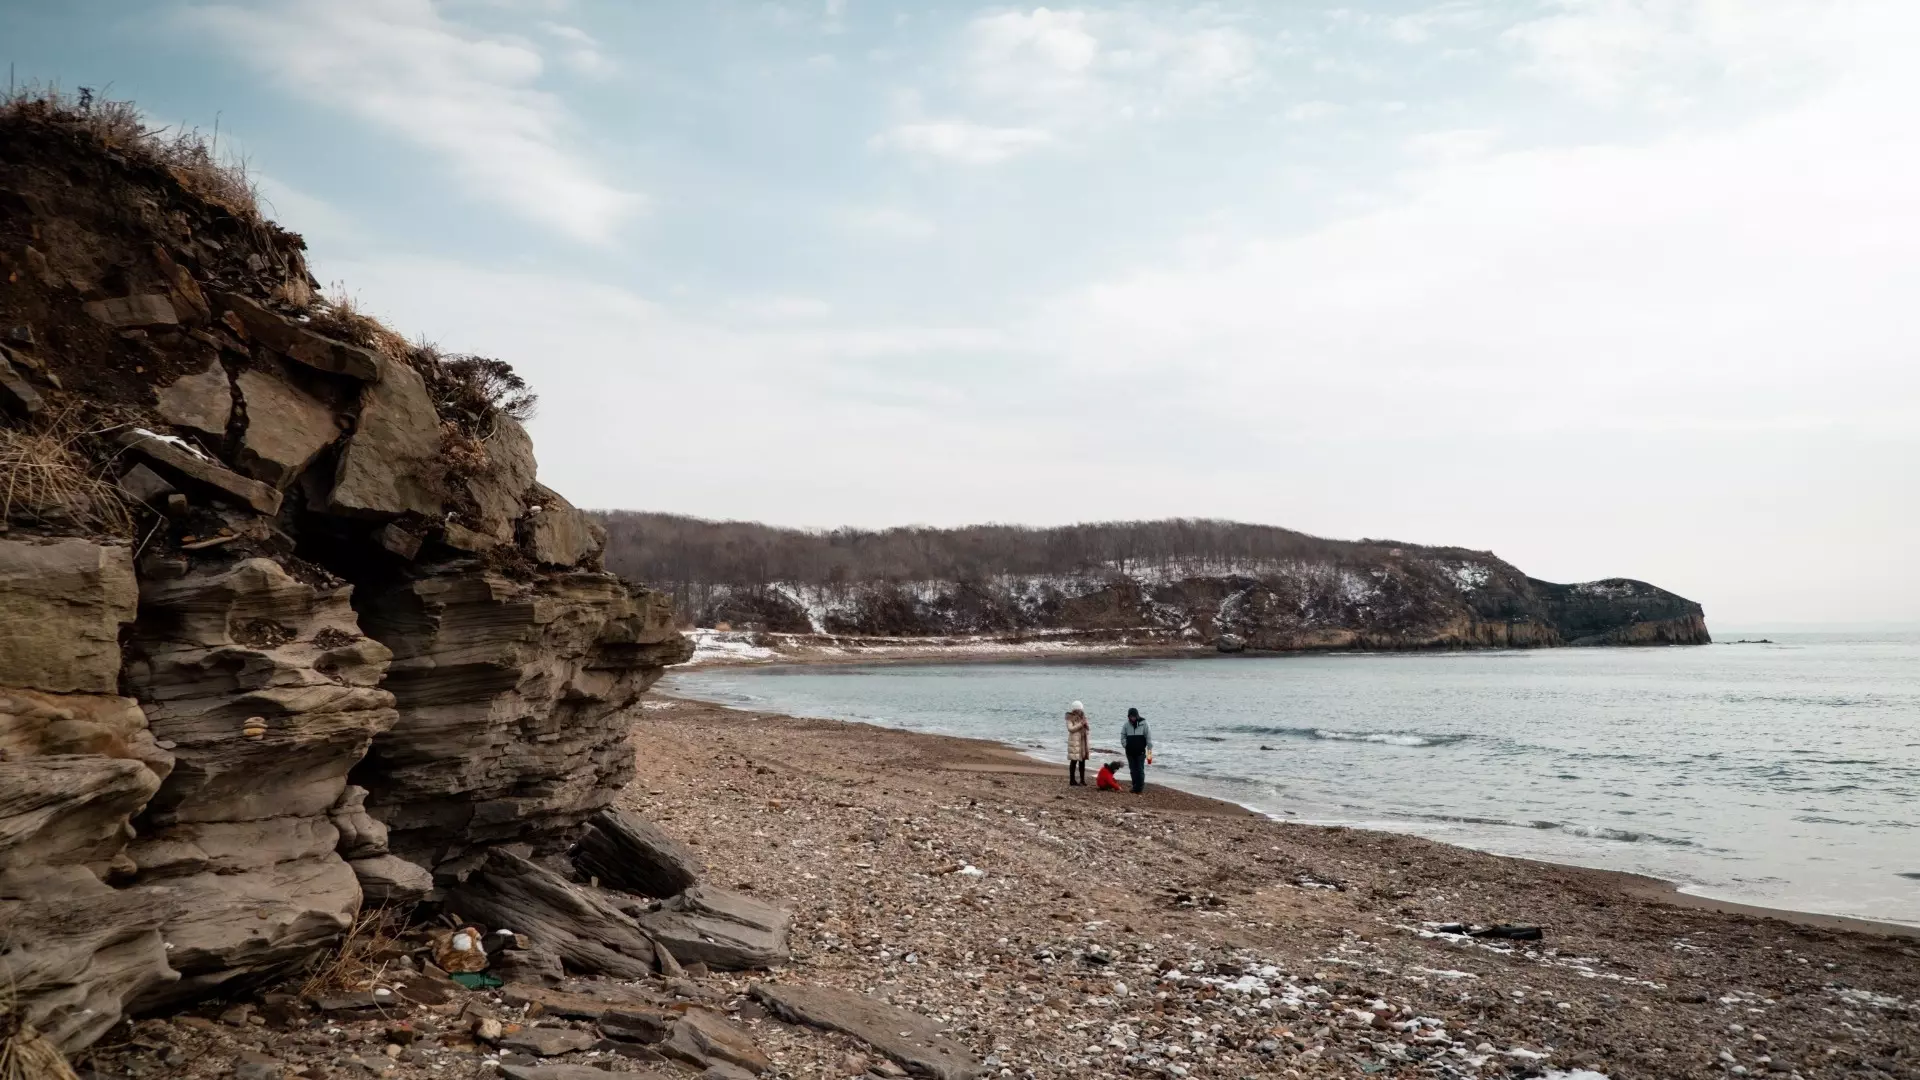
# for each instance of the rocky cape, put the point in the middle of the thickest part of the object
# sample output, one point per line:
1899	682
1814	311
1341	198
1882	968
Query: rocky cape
1358	595
289	628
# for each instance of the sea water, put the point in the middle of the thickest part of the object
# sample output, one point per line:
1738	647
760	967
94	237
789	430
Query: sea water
1784	774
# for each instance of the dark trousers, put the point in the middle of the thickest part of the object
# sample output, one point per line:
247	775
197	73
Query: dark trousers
1077	772
1137	761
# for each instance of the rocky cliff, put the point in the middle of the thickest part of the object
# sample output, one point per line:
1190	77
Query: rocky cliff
1198	582
287	622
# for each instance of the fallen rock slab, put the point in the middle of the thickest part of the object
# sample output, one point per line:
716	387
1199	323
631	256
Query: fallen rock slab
286	428
175	455
201	401
141	309
909	1038
392	463
299	344
721	929
566	1072
546	1041
627	852
703	1039
586	1004
585	930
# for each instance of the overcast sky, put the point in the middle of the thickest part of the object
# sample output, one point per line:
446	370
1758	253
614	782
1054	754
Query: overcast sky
1610	287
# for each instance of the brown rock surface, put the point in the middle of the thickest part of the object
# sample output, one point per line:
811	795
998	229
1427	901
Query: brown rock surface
286	427
627	852
62	604
578	924
725	930
500	492
299	344
557	533
202	400
391	464
512	699
241	828
141	309
177	458
909	1038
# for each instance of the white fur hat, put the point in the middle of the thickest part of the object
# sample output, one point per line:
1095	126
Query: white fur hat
1077	707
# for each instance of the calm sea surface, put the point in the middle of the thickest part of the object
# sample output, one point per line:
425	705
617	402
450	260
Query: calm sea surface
1784	774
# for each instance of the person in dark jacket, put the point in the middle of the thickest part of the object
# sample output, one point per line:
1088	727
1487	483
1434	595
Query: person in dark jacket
1137	741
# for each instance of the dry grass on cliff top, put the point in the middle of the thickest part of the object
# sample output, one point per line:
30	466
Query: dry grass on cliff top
191	156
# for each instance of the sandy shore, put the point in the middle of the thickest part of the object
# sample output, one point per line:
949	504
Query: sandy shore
1069	932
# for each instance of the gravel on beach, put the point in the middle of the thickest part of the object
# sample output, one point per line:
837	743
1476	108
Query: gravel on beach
1066	932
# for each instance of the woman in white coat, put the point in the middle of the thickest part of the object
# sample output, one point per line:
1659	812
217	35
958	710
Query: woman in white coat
1077	745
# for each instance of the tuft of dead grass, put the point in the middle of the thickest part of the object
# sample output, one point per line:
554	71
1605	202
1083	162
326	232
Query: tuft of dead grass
46	477
189	155
339	317
362	957
26	1054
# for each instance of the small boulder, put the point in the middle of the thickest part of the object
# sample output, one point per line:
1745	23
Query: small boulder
628	852
201	401
141	309
546	1041
392	463
557	534
15	392
389	879
286	427
721	929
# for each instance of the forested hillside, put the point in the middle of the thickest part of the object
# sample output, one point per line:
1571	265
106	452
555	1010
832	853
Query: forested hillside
1197	581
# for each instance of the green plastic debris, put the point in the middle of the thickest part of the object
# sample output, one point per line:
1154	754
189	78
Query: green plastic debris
476	980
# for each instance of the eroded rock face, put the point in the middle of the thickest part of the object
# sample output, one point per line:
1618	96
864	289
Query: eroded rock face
76	764
511	698
199	834
270	694
62	604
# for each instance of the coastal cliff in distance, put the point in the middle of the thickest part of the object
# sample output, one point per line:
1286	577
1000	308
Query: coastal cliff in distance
1178	582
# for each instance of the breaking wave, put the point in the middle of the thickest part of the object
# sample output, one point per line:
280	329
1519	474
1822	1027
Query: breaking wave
1387	738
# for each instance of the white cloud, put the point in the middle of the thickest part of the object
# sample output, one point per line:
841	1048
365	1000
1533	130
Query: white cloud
469	98
1307	111
783	308
1069	68
891	222
1456	145
583	51
1670	54
961	141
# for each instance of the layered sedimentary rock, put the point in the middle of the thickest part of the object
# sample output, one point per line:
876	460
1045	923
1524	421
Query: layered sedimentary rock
76	764
511	699
270	695
364	647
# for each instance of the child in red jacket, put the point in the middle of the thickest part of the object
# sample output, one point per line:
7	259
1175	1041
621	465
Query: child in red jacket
1106	780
